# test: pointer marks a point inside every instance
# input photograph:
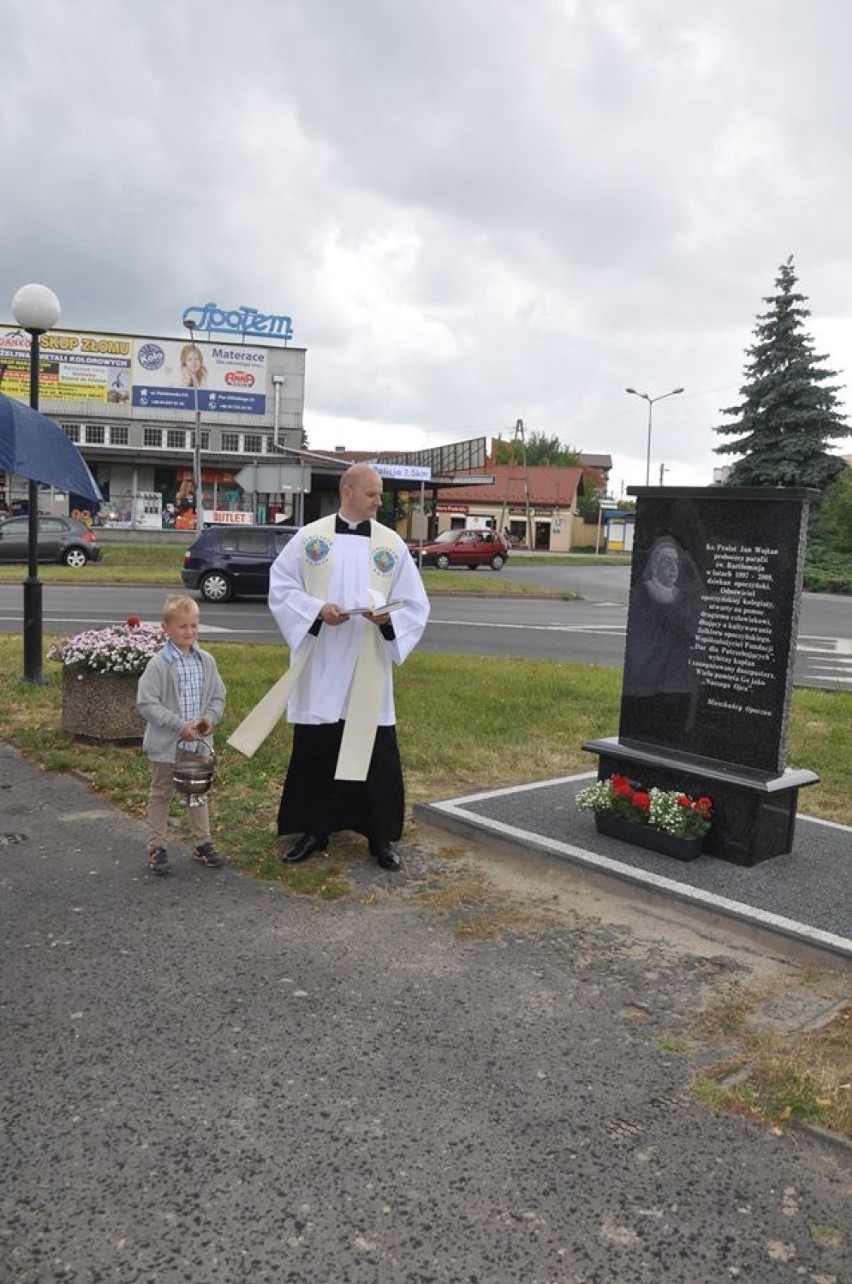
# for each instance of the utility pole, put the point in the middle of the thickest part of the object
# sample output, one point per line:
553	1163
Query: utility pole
518	437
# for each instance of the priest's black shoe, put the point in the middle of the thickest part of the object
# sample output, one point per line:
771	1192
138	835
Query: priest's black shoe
305	847
388	857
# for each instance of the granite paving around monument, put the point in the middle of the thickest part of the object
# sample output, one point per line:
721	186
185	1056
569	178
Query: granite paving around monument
803	898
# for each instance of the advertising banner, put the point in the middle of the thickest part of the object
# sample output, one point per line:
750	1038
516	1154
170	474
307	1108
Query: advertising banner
72	367
231	378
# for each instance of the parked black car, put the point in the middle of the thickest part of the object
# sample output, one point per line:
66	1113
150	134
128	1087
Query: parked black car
60	539
233	561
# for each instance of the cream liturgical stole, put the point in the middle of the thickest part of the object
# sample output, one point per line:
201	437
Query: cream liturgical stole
362	715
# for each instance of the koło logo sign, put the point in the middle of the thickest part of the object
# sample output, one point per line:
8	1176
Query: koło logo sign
150	356
240	379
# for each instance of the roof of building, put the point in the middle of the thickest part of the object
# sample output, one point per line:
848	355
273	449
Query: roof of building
547	485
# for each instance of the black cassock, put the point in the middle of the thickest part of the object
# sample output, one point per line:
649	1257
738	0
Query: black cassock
313	802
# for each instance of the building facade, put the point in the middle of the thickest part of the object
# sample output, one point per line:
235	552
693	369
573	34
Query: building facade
133	405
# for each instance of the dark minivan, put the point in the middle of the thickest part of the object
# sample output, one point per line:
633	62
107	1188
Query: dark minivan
233	561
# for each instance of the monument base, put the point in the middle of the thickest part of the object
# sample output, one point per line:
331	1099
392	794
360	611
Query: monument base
754	812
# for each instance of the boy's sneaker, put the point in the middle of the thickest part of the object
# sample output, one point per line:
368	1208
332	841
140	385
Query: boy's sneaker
158	861
206	854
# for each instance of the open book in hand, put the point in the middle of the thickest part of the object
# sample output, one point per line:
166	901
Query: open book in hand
373	610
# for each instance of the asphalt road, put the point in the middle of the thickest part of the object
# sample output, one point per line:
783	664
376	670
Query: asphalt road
590	630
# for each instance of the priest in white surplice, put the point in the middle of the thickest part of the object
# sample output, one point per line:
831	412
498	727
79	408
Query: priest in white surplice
345	770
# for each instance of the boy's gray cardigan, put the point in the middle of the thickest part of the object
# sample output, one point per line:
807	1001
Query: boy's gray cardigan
158	701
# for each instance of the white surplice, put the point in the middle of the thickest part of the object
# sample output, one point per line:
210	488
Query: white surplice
323	689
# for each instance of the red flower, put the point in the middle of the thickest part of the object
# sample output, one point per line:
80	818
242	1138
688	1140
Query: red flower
133	621
642	801
621	786
683	801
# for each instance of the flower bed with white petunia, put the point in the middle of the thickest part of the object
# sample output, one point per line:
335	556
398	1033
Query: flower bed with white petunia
100	671
117	648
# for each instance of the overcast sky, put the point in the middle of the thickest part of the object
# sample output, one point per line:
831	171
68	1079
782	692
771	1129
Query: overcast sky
475	211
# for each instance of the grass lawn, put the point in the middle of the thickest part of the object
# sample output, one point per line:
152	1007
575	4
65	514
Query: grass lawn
463	725
161	563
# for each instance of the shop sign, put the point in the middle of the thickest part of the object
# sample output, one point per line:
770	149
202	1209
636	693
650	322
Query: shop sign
243	321
83	368
452	508
225	517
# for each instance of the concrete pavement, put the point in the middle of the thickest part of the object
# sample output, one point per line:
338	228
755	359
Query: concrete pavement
209	1079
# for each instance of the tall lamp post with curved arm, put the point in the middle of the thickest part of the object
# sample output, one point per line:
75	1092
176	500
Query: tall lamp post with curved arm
36	309
650	401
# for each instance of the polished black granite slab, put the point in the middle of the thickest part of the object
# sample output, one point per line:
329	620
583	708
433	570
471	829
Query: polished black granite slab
711	632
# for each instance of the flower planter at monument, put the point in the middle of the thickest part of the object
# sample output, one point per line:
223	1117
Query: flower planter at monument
655	840
100	706
661	820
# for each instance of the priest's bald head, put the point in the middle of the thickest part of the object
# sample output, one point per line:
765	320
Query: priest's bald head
360	493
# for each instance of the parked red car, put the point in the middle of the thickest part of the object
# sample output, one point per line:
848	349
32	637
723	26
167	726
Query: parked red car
469	548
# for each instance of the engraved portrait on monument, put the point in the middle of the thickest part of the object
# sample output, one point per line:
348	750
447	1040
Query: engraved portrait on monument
660	688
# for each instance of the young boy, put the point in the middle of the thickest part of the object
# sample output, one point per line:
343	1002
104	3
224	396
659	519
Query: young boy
181	697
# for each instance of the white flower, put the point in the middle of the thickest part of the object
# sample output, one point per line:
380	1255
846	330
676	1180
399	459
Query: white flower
118	648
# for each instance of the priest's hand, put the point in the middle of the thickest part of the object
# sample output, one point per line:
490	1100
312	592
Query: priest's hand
379	617
330	613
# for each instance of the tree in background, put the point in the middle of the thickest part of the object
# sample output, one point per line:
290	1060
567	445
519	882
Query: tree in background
540	450
789	413
833	520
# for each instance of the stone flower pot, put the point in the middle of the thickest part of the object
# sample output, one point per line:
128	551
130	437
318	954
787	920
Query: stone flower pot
655	840
100	706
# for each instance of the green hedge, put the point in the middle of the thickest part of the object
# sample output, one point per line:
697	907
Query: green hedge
827	571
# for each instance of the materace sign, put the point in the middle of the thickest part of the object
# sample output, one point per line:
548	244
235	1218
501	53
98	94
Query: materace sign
231	377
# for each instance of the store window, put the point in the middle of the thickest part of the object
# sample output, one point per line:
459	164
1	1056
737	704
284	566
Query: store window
176	439
95	435
231	441
152	437
119	435
72	431
252	443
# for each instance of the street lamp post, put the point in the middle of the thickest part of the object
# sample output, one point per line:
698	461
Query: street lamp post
650	401
196	452
36	309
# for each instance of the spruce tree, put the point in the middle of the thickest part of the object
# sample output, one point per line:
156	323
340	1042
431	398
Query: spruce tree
789	414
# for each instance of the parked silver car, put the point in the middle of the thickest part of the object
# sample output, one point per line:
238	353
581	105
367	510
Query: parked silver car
60	539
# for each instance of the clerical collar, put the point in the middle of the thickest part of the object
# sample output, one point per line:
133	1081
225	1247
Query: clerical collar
342	526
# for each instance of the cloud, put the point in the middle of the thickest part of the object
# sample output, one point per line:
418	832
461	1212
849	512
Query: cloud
474	212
